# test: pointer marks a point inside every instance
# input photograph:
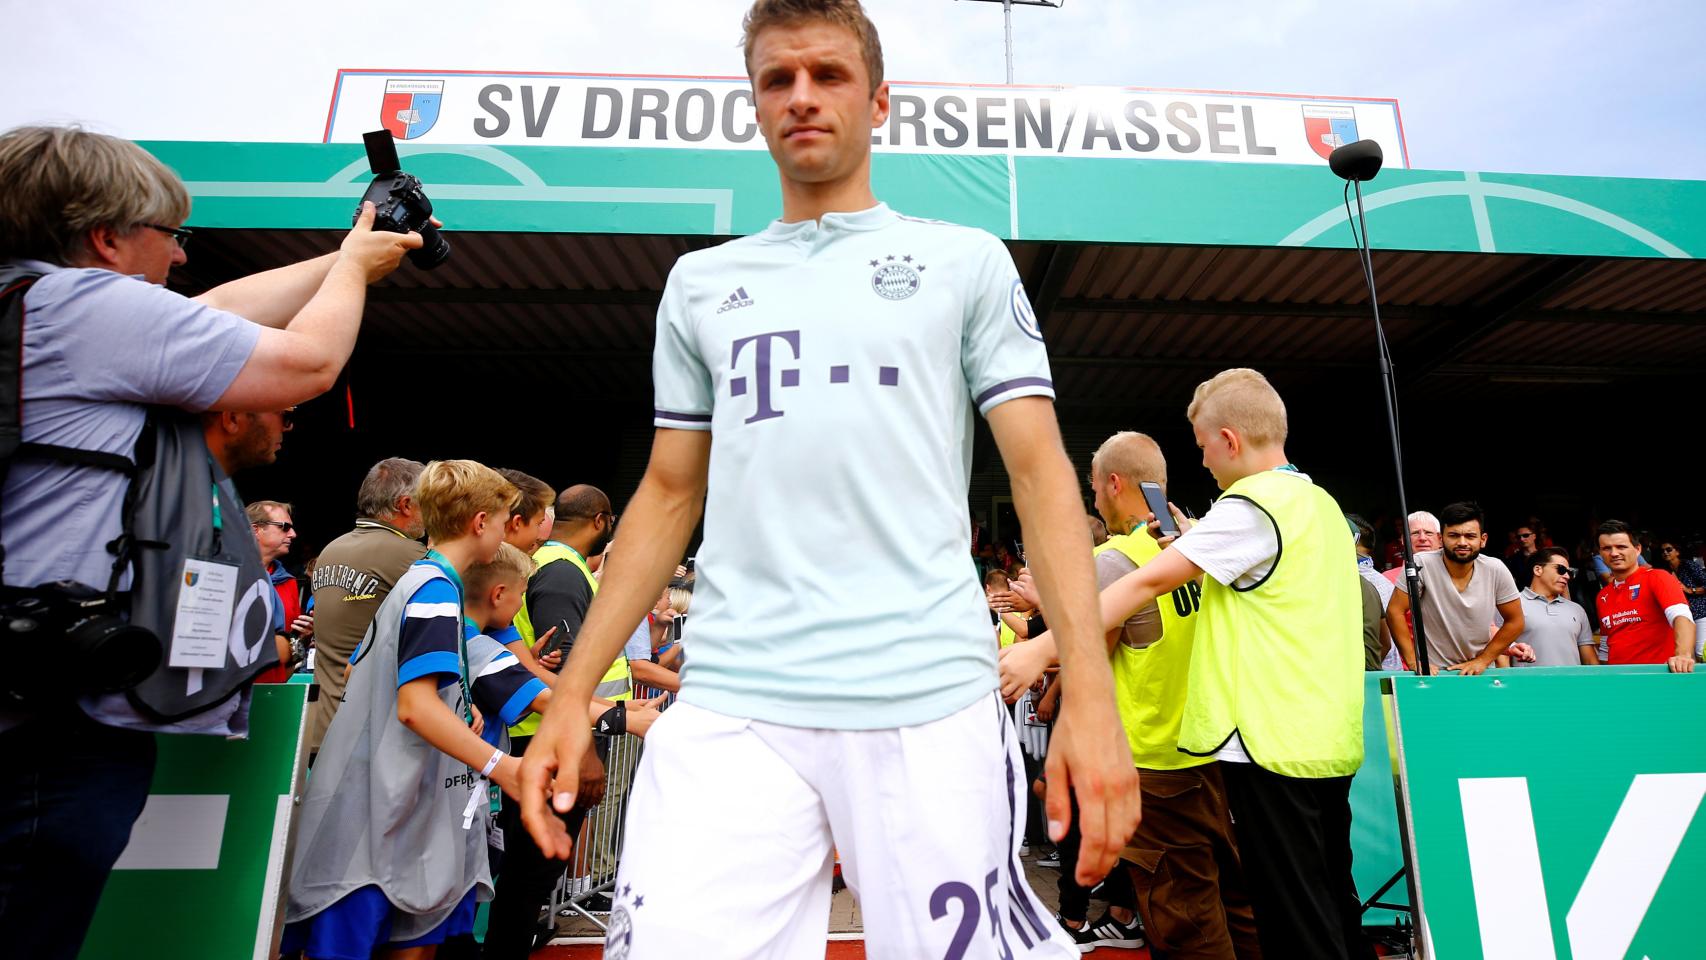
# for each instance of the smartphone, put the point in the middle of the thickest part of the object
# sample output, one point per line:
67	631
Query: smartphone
1157	500
676	627
557	639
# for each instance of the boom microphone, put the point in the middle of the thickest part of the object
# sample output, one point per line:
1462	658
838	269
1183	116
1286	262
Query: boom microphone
1357	161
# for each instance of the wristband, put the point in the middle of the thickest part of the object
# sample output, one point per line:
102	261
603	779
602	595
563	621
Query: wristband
492	764
613	722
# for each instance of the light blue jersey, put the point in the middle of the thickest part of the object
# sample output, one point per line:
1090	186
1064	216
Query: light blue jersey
837	366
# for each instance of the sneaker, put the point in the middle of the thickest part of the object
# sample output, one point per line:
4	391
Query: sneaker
1107	932
1024	849
1050	859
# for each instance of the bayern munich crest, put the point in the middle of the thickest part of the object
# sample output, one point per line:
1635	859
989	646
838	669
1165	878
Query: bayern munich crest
896	278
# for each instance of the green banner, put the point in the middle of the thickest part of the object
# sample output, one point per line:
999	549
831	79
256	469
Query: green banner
1552	812
733	192
204	874
1377	851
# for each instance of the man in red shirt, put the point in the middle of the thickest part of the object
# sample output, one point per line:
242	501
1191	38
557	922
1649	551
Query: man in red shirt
1643	610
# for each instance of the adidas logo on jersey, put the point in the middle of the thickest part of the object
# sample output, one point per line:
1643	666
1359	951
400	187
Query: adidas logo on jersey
735	301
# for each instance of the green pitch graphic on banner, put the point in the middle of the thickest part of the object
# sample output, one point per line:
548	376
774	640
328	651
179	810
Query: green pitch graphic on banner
735	192
1554	812
203	875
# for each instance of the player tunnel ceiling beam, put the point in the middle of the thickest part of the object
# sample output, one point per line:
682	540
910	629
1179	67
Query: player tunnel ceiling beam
1433	349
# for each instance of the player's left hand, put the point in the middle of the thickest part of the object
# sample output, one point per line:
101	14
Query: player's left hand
1088	755
1681	664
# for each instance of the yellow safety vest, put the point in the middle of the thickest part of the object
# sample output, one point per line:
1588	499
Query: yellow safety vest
1280	663
1150	683
616	684
1006	636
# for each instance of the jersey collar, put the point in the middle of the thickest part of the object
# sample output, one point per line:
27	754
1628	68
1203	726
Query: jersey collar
874	218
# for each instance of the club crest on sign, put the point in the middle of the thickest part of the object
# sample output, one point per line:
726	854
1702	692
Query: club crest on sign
410	107
1328	127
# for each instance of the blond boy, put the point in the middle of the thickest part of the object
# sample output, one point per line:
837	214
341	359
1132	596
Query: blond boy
1275	688
391	852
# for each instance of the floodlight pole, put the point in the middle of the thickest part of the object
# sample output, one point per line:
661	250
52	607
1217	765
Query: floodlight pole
1007	16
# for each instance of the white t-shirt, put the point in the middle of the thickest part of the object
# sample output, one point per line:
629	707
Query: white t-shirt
1236	544
838	366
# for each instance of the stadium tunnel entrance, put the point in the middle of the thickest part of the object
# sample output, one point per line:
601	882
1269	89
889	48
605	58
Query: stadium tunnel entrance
1556	386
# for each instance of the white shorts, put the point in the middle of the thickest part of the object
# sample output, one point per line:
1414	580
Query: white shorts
731	825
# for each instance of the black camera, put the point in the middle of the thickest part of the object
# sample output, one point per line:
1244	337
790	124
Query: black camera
400	205
65	639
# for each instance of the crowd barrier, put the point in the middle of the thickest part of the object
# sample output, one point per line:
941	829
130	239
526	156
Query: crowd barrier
598	849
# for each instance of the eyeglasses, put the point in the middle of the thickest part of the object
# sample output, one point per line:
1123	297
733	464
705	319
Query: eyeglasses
1525	536
283	526
1562	570
177	233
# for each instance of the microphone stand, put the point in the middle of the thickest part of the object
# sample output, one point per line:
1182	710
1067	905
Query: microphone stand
1356	162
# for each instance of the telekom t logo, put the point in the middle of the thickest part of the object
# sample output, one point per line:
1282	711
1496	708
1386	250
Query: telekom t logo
761	348
1510	889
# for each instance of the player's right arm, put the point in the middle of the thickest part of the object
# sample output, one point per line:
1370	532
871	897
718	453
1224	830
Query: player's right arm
656	526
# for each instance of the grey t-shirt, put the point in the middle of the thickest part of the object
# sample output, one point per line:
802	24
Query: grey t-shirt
1144	627
1557	630
1459	625
99	348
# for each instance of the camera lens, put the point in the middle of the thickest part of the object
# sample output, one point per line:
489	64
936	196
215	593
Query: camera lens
114	655
433	251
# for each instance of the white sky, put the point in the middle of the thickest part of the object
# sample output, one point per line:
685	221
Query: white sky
1568	86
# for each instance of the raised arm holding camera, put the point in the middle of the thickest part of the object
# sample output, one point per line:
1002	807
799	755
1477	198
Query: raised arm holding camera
90	226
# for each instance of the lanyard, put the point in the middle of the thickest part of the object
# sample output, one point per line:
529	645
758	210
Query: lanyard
461	638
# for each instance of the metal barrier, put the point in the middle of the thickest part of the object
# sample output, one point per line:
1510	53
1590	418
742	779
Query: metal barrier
647	692
598	848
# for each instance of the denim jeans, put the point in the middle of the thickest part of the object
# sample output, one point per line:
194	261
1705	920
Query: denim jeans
70	790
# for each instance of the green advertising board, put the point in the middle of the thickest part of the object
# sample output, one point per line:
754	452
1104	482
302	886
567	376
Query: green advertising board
1553	813
1377	850
203	875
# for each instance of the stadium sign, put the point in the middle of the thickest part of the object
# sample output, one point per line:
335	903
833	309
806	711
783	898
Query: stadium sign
1535	834
716	113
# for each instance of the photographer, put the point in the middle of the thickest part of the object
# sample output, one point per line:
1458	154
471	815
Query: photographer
101	222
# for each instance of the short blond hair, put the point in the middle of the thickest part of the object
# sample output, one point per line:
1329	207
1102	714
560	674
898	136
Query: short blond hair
62	182
451	493
511	564
1136	457
765	14
1243	401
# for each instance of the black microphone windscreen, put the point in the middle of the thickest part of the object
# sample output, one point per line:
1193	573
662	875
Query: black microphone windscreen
1357	161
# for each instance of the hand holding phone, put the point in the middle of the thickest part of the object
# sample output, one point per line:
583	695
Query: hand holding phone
1157	501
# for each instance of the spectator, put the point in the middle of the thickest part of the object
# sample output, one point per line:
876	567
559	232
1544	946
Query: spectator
1377	640
1692	575
391	838
1424	537
525	526
1521	559
1644	611
239	441
275	531
1276	687
1098	529
1556	631
355	574
101	222
1463	592
558	596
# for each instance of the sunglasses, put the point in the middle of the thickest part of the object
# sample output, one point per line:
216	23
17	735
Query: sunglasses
1562	570
282	525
